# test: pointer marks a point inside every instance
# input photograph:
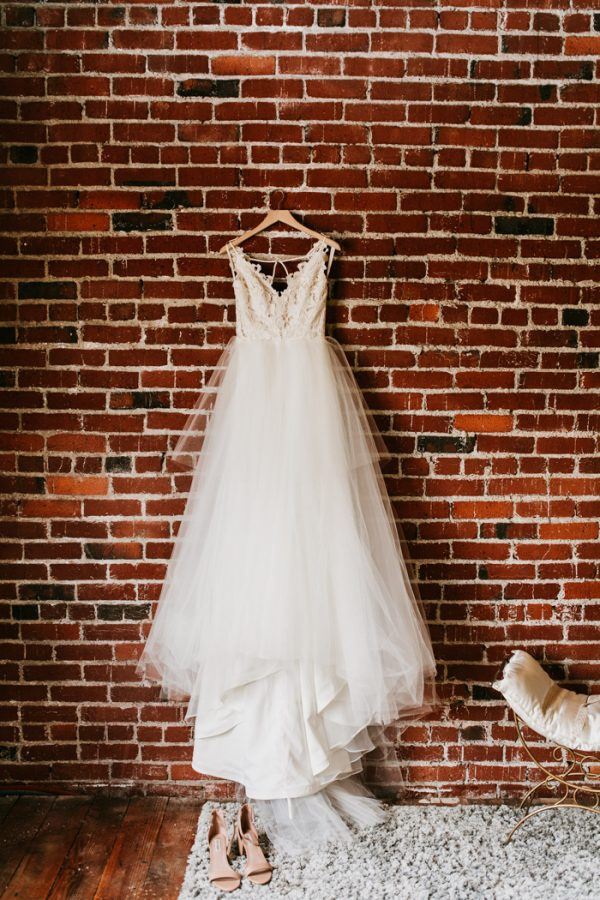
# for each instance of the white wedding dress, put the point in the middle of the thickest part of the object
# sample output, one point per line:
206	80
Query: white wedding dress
287	615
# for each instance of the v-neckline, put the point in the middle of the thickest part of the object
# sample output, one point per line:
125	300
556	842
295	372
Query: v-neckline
268	281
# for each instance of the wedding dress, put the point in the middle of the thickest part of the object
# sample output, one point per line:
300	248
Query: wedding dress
287	615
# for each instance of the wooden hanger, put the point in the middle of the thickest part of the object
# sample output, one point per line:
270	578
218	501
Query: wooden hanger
284	216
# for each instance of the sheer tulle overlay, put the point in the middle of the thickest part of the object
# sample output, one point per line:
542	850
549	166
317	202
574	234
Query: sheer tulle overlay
287	615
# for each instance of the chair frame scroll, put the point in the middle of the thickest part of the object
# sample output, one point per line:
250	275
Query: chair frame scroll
577	780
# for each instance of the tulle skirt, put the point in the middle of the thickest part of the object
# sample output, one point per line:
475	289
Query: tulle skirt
287	615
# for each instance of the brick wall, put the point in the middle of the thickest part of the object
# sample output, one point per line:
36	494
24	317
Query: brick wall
452	149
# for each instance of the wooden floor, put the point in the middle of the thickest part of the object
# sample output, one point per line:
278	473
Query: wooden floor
94	848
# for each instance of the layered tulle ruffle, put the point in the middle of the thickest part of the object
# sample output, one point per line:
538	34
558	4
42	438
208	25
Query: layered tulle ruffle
287	615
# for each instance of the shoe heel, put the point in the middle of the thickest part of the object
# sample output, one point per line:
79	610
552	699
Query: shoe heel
220	873
257	869
231	852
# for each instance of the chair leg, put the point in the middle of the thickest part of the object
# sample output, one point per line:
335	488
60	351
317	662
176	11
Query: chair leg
573	781
539	809
526	801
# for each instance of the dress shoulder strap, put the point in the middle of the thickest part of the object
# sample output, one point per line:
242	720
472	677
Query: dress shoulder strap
331	255
232	261
228	250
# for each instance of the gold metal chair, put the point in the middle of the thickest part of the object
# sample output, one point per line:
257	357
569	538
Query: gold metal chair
576	778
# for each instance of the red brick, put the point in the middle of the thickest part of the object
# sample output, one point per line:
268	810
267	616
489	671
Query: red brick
85	486
243	65
582	46
78	222
482	422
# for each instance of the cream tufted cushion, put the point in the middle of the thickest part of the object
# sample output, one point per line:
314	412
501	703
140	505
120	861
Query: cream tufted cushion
560	715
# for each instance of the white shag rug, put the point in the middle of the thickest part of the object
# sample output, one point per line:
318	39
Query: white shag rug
430	853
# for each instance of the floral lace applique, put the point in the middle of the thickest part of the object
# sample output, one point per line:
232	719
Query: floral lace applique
297	311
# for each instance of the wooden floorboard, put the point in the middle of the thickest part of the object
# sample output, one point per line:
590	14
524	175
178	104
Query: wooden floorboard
172	849
129	861
83	866
19	827
45	855
6	804
94	848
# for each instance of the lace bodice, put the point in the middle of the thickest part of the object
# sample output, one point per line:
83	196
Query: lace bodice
298	311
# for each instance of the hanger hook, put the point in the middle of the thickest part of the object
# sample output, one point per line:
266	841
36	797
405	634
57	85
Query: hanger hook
277	204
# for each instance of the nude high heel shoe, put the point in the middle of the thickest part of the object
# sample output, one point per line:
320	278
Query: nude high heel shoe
220	873
257	869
